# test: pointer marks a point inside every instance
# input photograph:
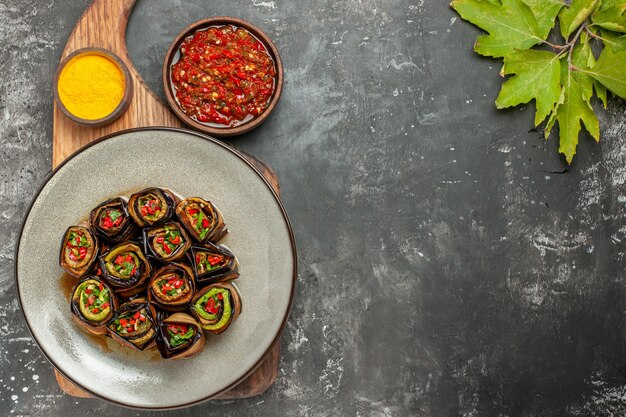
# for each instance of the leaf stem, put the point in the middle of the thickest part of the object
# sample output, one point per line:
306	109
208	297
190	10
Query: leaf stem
554	46
595	36
571	43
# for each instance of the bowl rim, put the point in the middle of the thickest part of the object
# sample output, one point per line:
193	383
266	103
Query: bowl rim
294	278
222	21
123	104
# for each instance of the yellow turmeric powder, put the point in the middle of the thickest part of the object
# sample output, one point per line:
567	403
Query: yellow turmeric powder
91	86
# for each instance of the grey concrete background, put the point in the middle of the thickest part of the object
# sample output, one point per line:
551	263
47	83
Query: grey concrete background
450	263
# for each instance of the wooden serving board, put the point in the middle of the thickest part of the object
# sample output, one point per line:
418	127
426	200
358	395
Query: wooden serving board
104	25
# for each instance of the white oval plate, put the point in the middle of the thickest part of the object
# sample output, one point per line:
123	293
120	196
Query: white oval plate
259	234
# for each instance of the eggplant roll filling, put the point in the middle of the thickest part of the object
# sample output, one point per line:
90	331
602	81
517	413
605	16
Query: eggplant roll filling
214	263
134	324
215	309
202	219
151	206
78	250
92	301
172	286
125	266
179	336
111	221
168	242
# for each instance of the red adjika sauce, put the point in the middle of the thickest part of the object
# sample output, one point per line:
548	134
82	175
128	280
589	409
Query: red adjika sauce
224	76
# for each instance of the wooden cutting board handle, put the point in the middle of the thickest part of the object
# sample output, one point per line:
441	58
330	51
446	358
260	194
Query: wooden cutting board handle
104	25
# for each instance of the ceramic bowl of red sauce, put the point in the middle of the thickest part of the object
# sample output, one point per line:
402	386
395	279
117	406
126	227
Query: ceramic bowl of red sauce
222	76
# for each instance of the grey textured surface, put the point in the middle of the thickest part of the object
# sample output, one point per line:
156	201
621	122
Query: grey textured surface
258	235
450	264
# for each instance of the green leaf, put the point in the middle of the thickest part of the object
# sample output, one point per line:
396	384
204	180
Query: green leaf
582	58
587	62
538	76
510	26
613	40
610	70
574	106
619	44
545	12
573	16
611	15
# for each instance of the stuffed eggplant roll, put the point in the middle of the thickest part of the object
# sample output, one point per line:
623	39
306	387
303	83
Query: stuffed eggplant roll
213	263
134	324
125	268
110	220
201	219
172	287
151	206
216	307
168	242
179	336
93	304
79	250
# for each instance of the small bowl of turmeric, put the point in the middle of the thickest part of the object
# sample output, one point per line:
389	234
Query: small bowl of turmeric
92	86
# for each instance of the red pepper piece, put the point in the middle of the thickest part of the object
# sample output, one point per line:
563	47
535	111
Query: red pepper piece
119	260
105	305
210	306
205	223
220	296
136	315
215	260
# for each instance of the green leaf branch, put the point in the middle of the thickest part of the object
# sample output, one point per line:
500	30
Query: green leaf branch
563	80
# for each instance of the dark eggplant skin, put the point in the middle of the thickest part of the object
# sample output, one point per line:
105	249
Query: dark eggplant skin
228	271
136	282
120	233
192	348
169	198
141	341
217	226
178	305
81	269
99	327
179	253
